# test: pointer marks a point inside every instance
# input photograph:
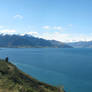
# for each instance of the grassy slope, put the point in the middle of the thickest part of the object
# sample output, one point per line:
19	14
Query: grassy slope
14	80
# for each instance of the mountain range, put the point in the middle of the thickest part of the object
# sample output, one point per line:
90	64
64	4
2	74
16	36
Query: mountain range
18	41
81	44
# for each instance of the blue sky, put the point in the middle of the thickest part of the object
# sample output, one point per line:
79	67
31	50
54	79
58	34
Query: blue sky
63	20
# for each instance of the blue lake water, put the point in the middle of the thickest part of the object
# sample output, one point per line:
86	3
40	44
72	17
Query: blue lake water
69	67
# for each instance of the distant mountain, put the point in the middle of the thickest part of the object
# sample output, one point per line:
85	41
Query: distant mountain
18	41
81	44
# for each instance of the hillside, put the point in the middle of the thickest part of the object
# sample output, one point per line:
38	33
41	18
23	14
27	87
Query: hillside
82	44
18	41
14	80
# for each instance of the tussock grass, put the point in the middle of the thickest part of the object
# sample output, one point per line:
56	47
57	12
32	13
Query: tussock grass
14	80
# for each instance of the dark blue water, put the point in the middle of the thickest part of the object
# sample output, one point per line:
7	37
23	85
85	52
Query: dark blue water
69	67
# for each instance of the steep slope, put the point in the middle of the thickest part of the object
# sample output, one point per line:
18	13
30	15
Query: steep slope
29	41
14	80
82	44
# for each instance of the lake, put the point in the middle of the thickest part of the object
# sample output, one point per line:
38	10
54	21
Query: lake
56	66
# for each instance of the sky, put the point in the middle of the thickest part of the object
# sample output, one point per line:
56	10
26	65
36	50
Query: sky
62	20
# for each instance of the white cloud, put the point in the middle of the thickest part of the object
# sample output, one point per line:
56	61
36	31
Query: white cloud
63	37
46	27
50	36
55	36
18	16
1	26
80	37
57	28
7	31
59	36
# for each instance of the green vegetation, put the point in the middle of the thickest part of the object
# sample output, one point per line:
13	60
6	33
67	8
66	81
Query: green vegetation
14	80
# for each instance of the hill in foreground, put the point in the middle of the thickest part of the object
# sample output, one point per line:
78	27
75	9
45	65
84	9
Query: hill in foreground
14	80
18	41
